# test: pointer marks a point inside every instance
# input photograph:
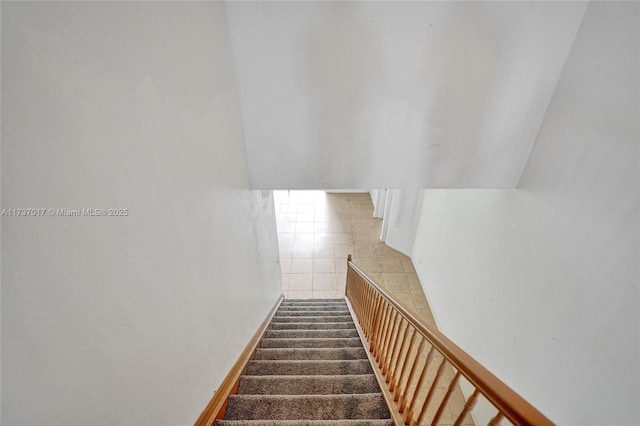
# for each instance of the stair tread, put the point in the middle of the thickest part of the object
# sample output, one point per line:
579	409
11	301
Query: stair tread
307	407
302	384
305	361
313	312
317	377
290	305
332	307
310	313
313	330
318	333
320	318
310	325
335	302
308	367
311	342
328	339
344	422
304	397
310	353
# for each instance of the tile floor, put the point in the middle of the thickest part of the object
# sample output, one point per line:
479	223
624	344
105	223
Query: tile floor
316	231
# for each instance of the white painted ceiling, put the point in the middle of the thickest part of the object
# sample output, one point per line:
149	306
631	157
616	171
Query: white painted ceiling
395	94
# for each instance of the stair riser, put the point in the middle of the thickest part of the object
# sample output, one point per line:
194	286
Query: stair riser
304	423
303	314
309	385
291	334
311	343
321	407
314	308
288	368
318	313
311	326
319	318
310	353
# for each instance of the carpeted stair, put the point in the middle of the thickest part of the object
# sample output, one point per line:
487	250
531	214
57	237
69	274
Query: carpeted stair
309	369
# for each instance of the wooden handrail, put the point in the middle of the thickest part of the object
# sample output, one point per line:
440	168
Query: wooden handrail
371	304
217	406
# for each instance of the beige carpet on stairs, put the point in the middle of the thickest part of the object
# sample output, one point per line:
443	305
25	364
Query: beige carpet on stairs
309	369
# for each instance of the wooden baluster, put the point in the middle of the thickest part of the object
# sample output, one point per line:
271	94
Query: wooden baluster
400	389
365	309
346	287
375	305
414	397
372	319
496	420
387	338
354	292
432	390
384	333
392	347
370	306
361	303
358	302
452	387
467	407
381	328
400	360
423	376
378	318
352	276
404	400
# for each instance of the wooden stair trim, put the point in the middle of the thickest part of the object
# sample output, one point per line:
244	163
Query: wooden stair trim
216	408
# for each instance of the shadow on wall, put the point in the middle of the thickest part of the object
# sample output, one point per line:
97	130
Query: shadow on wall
344	69
469	54
341	56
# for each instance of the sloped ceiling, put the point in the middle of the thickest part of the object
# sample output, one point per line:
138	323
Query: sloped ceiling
395	94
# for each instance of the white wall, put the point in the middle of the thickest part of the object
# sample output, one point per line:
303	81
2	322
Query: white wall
540	284
395	94
401	218
378	198
125	320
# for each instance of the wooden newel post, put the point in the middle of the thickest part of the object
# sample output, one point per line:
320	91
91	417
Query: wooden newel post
346	290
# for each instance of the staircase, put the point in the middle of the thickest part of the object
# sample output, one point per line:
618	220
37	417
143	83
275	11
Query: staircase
309	369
